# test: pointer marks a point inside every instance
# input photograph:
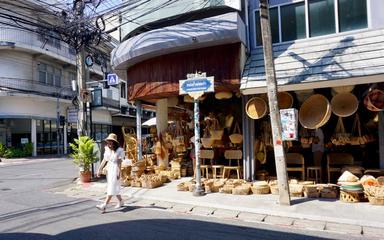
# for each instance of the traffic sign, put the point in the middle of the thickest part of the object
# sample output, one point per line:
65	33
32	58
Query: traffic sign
196	85
112	79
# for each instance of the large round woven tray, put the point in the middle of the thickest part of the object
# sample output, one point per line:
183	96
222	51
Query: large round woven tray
344	104
315	112
256	108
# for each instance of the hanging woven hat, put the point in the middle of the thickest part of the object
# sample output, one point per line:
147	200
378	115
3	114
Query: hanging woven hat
285	100
344	104
223	95
374	101
314	112
342	89
256	108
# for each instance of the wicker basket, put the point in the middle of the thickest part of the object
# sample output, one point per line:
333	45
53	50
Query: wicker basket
260	189
236	137
207	142
256	108
296	190
315	112
274	189
182	187
285	100
344	104
227	188
374	101
151	184
376	200
243	189
311	191
350	197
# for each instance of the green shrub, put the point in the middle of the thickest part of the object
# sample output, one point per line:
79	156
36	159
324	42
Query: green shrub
3	149
28	149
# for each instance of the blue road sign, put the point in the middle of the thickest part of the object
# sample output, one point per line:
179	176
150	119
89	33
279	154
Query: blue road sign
196	85
112	79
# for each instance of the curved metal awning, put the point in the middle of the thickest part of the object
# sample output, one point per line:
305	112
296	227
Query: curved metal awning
218	30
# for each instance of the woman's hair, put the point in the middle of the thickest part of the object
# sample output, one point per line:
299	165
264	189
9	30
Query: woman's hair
115	145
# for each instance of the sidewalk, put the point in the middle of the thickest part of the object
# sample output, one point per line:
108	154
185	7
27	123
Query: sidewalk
26	160
319	214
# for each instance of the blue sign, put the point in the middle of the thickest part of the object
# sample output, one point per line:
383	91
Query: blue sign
196	85
112	79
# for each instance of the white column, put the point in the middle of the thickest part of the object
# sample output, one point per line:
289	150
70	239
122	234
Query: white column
161	115
34	137
138	130
65	137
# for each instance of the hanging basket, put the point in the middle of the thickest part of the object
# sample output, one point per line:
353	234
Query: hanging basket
256	108
315	112
374	101
207	142
285	100
344	104
216	132
236	137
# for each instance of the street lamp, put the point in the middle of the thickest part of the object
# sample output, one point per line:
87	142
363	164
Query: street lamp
58	95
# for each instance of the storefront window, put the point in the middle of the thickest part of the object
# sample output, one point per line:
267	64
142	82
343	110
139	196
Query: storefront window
318	24
352	14
274	20
293	21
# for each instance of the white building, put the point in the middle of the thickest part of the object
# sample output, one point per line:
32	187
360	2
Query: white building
36	70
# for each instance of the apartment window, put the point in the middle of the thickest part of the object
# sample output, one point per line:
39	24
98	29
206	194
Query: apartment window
293	21
49	75
321	17
123	90
57	77
352	15
274	21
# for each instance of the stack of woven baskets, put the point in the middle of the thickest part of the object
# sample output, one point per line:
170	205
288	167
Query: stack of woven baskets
373	189
351	190
260	187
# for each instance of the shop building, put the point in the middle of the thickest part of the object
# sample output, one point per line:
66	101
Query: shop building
325	48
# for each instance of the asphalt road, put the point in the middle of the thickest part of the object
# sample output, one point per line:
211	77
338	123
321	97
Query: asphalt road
30	209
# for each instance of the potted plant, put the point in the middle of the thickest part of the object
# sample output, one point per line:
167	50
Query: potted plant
84	155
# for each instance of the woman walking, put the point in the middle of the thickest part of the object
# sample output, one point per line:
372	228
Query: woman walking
113	156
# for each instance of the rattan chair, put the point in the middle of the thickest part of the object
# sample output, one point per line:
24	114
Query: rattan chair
295	163
231	155
336	161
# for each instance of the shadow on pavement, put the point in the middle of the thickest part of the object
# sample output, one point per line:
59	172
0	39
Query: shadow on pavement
169	229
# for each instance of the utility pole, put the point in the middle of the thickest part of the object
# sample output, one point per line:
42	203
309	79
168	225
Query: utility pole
281	166
81	73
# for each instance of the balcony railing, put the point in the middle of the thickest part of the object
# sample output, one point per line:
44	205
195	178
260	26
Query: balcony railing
30	40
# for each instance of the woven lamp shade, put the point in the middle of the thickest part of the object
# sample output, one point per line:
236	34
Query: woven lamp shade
285	100
256	108
344	104
315	112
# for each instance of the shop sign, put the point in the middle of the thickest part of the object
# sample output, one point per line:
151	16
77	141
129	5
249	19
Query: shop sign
196	85
289	124
24	140
72	115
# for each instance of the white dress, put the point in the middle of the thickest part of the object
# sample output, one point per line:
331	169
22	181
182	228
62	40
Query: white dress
113	158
